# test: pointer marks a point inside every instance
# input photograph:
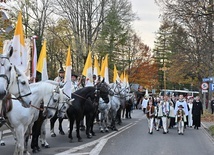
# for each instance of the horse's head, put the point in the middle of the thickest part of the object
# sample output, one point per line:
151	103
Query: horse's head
119	89
13	81
5	75
64	102
104	90
51	100
19	87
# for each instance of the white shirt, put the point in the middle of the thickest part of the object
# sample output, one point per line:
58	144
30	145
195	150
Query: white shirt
145	103
184	104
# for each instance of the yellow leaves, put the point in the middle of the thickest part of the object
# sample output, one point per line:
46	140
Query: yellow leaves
146	74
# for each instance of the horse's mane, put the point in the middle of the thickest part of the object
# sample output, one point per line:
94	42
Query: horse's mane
85	92
43	86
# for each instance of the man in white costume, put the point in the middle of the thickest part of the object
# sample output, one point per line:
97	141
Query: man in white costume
182	102
145	103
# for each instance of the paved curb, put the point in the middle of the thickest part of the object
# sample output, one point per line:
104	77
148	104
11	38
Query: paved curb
206	129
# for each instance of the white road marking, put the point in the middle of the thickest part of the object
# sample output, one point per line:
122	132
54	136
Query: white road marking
99	145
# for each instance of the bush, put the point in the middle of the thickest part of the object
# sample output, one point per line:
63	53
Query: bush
211	130
207	117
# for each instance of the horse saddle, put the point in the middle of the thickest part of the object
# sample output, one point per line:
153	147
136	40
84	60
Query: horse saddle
6	107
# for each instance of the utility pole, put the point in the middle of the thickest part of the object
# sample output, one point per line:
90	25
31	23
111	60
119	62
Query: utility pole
164	69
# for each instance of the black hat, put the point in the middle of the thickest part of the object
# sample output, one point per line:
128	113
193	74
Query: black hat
61	70
180	106
74	75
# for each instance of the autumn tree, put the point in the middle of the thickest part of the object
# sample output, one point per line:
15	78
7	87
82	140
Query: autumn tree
195	52
144	70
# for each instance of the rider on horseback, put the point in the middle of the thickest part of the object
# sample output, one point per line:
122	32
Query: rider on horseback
60	77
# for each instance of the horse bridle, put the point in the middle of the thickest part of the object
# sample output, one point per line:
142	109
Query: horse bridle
119	92
96	91
100	83
8	82
4	75
20	97
49	107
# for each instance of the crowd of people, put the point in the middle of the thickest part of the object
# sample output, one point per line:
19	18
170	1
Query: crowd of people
170	111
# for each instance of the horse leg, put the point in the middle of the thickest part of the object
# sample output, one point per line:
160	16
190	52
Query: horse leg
19	150
105	117
81	125
78	130
114	114
101	121
88	123
129	111
123	112
118	116
44	143
2	143
60	126
92	125
52	122
26	137
71	129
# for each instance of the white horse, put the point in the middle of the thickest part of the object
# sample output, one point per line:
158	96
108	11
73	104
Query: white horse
12	81
104	111
115	102
22	122
63	105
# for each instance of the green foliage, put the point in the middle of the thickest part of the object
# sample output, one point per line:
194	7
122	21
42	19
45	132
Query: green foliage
211	130
114	38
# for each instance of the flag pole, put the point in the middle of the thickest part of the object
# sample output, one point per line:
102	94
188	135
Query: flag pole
34	59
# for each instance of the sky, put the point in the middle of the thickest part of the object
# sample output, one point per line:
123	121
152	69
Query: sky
148	20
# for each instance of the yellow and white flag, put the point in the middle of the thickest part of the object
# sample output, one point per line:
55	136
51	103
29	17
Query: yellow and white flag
87	71
104	70
116	76
19	56
122	77
127	80
96	68
42	63
67	86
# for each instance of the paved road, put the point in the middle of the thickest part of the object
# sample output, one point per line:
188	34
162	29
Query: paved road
132	138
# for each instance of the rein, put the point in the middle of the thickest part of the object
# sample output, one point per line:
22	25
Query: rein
4	75
82	97
40	109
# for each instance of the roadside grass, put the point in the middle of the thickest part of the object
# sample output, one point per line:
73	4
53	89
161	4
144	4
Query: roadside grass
211	130
208	117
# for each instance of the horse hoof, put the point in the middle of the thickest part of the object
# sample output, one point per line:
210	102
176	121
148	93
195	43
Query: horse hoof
61	132
26	152
115	129
79	139
34	151
89	136
53	135
82	129
71	141
3	144
43	145
107	130
47	146
101	131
